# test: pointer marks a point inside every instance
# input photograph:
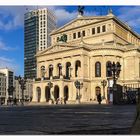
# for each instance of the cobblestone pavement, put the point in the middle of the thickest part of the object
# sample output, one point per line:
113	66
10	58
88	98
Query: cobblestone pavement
67	119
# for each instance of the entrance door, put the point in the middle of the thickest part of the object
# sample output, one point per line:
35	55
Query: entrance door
66	93
97	90
56	92
47	93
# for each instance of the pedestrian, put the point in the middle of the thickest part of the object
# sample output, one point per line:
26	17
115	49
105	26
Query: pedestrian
99	99
15	101
61	100
64	99
57	100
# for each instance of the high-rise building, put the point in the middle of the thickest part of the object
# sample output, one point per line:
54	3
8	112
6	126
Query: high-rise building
9	82
2	87
38	24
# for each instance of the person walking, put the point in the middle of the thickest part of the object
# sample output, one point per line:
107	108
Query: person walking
65	100
99	99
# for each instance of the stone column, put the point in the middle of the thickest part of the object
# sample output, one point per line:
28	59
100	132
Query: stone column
34	94
55	73
47	71
61	90
73	68
43	99
63	67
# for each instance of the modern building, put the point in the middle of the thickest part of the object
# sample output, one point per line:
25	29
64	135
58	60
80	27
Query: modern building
37	26
86	46
27	92
9	82
2	88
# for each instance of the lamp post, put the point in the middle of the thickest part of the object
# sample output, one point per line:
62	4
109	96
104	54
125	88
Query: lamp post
10	92
115	69
78	85
104	83
50	85
22	82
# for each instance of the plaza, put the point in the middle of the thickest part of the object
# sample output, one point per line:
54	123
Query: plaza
67	119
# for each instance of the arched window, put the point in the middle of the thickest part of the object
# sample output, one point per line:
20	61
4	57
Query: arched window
97	69
50	70
108	69
42	71
59	66
77	68
68	74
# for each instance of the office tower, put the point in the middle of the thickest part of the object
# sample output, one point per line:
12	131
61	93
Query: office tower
9	82
2	88
38	24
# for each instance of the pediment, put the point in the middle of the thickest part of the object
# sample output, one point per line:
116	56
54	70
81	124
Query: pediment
79	22
55	48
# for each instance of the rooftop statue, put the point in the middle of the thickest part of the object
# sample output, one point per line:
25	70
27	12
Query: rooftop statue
81	10
63	38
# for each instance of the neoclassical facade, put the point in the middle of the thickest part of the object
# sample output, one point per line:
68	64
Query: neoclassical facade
91	44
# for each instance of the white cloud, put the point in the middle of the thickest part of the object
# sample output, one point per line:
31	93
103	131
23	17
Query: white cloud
4	47
15	15
9	63
63	16
6	59
130	15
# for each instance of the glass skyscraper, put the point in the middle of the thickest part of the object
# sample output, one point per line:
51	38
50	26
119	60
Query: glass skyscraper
37	26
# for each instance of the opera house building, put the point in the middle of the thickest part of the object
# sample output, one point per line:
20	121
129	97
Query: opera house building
76	64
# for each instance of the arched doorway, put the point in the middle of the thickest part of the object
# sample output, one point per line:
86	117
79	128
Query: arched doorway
38	89
47	93
56	92
97	90
66	92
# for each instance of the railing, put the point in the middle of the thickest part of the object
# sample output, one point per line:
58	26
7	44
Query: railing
37	79
54	77
46	78
66	77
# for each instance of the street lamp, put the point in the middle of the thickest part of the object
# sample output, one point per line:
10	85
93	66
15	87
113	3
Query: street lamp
78	85
10	92
104	83
50	85
115	69
22	82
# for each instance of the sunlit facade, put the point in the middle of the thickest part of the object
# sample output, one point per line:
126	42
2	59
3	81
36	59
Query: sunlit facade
92	44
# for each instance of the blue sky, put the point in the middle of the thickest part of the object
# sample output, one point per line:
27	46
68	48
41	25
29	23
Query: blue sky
12	27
